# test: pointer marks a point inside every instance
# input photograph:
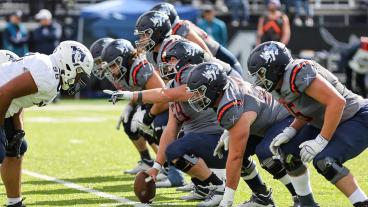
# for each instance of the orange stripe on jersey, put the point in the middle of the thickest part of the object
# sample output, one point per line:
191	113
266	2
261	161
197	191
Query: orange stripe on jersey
136	69
177	26
227	107
293	74
272	24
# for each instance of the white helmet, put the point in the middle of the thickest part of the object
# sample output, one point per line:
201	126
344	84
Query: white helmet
75	63
6	56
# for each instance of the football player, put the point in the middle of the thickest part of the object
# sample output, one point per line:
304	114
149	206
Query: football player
127	69
181	53
193	33
314	95
34	80
153	29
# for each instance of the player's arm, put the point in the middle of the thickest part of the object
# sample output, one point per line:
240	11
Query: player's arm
194	37
238	139
324	93
18	120
155	81
259	30
19	86
285	30
298	124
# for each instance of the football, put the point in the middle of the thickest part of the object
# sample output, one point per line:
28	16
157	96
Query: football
144	187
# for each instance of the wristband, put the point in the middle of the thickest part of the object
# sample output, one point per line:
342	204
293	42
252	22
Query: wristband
140	97
157	166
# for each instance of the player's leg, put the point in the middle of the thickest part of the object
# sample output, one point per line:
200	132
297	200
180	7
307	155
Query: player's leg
140	144
296	169
274	165
11	166
348	141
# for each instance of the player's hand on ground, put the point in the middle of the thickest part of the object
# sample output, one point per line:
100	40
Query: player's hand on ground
285	136
124	116
310	148
119	95
153	173
228	199
222	145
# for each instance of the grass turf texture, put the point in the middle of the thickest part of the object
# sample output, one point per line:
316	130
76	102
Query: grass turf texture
77	141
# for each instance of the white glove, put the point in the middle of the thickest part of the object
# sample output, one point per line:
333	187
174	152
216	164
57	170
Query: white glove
124	116
287	134
137	119
222	145
227	200
119	95
310	148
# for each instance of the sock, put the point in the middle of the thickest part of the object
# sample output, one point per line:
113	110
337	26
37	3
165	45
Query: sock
257	185
303	189
213	179
12	201
200	186
145	155
286	181
357	196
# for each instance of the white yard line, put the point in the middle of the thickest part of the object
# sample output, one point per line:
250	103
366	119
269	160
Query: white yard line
121	200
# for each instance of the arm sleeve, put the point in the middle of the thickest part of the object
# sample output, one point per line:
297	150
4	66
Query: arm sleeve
302	75
229	114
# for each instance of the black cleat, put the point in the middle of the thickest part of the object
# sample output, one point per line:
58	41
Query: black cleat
259	200
361	204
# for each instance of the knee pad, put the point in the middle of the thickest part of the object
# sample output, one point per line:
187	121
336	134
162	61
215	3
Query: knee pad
274	167
185	162
132	135
332	170
248	170
12	152
293	165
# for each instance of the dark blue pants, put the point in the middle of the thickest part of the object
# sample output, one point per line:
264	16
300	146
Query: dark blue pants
226	56
198	144
348	141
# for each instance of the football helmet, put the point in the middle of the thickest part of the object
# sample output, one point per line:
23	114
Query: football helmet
116	56
96	50
75	62
6	55
178	54
267	63
152	28
167	9
206	81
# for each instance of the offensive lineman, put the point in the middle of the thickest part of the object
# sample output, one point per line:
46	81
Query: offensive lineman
314	95
34	80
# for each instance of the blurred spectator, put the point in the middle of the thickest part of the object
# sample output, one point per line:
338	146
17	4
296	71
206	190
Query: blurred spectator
354	60
47	36
274	25
239	12
299	4
15	37
214	27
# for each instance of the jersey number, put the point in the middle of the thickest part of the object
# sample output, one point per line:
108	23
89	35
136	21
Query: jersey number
295	112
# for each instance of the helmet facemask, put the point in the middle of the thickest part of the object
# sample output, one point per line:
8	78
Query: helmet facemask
145	42
199	101
114	70
98	69
168	68
74	85
261	80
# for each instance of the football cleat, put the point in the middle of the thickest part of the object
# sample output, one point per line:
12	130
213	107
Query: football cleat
296	201
259	200
161	176
142	166
166	183
19	204
199	193
361	204
215	196
186	188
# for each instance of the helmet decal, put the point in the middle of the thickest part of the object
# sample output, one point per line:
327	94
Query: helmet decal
192	51
77	55
158	19
269	52
211	72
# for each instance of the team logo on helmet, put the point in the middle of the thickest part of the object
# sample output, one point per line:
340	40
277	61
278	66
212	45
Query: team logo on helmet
77	55
211	72
269	52
157	19
190	50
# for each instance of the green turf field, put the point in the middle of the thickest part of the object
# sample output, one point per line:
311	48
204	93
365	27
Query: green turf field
77	143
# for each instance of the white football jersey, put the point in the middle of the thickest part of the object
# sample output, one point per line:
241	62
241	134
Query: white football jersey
46	77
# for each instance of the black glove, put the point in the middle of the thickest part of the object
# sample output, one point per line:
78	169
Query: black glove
148	118
16	142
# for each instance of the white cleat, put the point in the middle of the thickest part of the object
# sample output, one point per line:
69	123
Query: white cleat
140	167
161	176
193	196
186	188
215	196
165	183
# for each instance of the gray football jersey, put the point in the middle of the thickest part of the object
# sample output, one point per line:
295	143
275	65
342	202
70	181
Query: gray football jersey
192	121
183	27
138	74
298	76
241	97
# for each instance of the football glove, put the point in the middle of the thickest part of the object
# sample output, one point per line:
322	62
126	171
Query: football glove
310	148
287	134
222	145
119	95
